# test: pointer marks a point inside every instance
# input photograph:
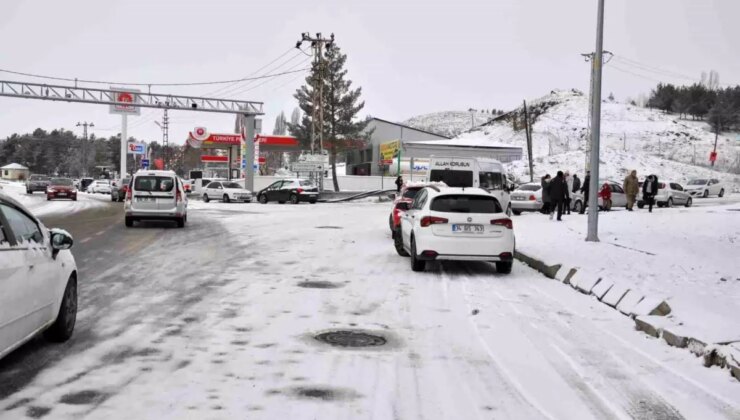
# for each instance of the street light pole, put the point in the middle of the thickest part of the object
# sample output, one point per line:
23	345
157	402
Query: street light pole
593	199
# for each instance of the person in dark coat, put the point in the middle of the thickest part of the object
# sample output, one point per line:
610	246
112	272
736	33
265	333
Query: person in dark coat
558	194
399	183
546	206
576	183
649	191
584	190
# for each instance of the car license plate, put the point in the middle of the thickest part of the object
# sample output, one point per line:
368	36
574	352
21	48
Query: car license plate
145	199
62	194
515	198
467	229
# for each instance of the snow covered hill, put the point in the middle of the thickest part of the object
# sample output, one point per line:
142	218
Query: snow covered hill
631	138
448	123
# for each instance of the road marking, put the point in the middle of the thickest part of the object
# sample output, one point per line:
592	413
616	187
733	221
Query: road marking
100	233
85	240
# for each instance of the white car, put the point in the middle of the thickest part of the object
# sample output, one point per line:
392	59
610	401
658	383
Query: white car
705	188
156	195
100	186
456	224
669	194
38	279
527	197
619	197
226	191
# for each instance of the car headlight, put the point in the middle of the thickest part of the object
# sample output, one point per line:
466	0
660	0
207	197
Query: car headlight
51	190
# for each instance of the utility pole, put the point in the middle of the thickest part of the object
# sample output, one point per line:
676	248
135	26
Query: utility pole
590	57
318	43
528	134
83	153
165	126
593	199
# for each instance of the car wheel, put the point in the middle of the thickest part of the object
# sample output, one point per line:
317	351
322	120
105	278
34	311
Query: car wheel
226	198
516	212
670	202
706	194
281	202
129	222
61	330
262	199
48	198
74	199
293	199
608	206
504	267
205	198
578	206
29	192
312	201
180	222
112	198
640	205
390	224
689	202
721	193
398	243
416	264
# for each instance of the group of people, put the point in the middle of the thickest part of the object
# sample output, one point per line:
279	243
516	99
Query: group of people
556	192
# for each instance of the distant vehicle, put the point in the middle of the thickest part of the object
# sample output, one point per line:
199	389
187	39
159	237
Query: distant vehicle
200	183
669	194
457	224
37	183
293	190
84	183
119	188
156	195
619	198
186	185
526	197
407	194
39	280
705	187
99	186
226	191
61	188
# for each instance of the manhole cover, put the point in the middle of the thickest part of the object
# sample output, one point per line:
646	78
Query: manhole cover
351	339
319	285
329	227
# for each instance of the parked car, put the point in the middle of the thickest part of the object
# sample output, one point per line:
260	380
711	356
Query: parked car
156	195
406	195
61	188
85	183
119	188
669	194
37	182
99	186
458	224
293	190
705	187
526	197
619	198
226	191
186	185
38	281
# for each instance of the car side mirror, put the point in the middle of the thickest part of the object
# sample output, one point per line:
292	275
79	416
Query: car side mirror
403	206
60	240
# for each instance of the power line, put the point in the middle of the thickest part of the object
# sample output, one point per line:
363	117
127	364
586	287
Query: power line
247	89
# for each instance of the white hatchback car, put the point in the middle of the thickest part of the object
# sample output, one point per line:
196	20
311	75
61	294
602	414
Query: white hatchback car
100	186
456	224
705	187
38	279
156	195
226	191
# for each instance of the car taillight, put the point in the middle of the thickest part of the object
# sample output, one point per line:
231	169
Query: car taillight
506	256
532	198
178	196
128	194
432	220
507	223
299	190
661	185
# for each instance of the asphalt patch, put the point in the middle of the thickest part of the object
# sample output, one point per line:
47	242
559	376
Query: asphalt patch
87	396
322	393
36	412
351	338
319	285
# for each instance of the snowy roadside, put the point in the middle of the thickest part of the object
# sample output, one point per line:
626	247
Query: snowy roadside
39	206
687	257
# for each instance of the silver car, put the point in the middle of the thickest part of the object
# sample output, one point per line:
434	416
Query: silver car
527	197
619	198
156	195
669	194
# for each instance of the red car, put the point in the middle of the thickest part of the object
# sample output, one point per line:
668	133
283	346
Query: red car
61	188
407	195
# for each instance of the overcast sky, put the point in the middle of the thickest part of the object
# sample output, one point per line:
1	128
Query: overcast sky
409	57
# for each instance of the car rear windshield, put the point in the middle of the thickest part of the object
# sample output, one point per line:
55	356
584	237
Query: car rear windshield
154	183
698	182
231	185
530	187
306	183
62	182
39	178
452	178
411	192
466	204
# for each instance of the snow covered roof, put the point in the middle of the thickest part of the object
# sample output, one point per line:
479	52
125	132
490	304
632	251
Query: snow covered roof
14	166
469	142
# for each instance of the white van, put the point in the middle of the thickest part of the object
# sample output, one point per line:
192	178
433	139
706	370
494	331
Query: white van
484	173
156	195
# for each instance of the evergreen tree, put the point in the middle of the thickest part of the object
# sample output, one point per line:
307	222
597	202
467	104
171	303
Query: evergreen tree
281	126
295	117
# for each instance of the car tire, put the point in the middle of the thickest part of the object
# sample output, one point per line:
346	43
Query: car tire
29	192
669	203
640	205
706	194
262	199
48	198
312	201
180	222
226	199
129	222
112	198
721	193
689	202
416	264
281	202
516	212
398	243
293	199
390	224
205	198
63	327
504	267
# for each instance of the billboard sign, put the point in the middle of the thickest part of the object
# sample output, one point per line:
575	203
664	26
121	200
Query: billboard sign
136	148
389	150
145	163
125	98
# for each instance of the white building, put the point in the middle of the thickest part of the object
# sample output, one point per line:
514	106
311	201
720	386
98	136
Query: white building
14	172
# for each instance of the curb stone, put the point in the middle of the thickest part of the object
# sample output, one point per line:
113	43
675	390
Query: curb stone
629	301
548	270
602	288
615	295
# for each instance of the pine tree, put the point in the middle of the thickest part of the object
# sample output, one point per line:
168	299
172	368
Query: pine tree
295	117
281	126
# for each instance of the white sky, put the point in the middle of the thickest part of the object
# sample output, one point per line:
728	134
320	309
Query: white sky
409	56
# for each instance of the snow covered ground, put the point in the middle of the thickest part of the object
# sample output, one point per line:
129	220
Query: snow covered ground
217	321
449	123
39	206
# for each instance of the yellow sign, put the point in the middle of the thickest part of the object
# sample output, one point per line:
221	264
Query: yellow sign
389	150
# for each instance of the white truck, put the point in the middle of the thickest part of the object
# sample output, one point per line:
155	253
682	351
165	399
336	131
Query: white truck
483	173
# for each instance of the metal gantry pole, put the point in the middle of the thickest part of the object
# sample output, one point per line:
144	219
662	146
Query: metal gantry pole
593	199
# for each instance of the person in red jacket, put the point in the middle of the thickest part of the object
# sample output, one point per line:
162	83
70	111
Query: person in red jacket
606	196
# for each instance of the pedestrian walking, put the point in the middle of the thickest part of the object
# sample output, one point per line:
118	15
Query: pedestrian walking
576	184
631	189
558	194
606	196
584	189
569	185
649	191
399	183
546	206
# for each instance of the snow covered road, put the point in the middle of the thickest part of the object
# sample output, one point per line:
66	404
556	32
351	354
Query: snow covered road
218	320
40	206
